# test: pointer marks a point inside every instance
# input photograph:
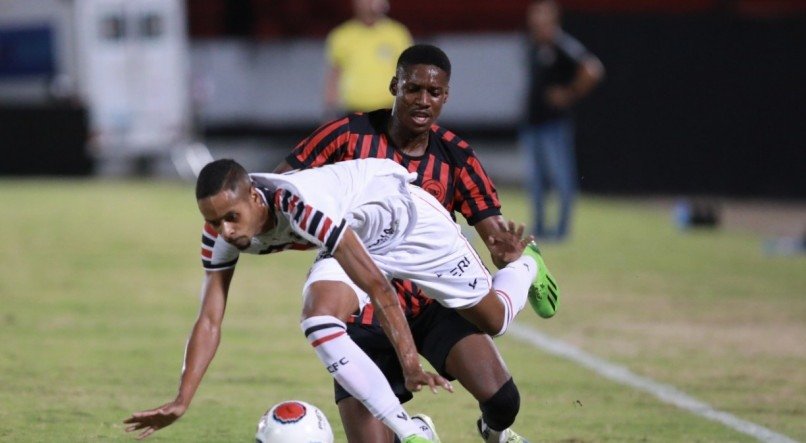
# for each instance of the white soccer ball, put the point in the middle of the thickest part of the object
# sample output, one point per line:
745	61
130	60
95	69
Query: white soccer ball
294	421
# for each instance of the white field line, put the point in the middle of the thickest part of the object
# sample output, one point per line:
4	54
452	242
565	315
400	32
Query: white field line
666	393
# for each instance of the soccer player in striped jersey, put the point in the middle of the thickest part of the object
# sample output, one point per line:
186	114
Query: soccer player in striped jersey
370	224
448	169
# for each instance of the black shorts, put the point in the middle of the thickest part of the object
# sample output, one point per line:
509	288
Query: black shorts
436	330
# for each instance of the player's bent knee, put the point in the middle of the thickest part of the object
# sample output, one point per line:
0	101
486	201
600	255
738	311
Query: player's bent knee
500	410
486	315
329	298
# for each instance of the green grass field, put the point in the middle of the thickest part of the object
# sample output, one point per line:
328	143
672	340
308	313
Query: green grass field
99	286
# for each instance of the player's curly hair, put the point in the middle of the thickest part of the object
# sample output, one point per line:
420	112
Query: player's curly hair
424	55
218	175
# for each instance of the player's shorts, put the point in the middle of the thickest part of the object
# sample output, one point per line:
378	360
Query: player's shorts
436	330
434	255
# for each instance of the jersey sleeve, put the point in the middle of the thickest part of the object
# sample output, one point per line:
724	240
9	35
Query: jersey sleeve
476	197
322	147
308	222
217	254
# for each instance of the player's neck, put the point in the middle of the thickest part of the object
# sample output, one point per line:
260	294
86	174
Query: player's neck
407	142
271	217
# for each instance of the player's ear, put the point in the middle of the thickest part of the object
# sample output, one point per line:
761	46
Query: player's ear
254	194
447	94
393	86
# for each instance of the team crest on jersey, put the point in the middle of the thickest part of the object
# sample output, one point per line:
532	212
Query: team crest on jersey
436	189
289	412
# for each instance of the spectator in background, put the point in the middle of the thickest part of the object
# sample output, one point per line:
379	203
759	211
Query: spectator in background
561	72
361	55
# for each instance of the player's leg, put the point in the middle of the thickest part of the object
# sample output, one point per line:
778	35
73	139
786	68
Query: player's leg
563	172
440	260
479	367
359	424
361	427
330	298
457	350
490	304
533	153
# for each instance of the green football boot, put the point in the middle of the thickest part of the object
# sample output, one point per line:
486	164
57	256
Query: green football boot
544	294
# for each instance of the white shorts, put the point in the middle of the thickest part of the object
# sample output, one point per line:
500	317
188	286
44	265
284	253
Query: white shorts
434	255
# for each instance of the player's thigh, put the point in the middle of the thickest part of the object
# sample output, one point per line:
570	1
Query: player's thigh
459	351
329	291
436	332
478	366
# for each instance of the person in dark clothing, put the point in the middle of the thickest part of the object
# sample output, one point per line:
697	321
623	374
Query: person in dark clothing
561	72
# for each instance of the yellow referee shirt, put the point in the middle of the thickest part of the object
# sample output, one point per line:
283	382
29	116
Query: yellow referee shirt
366	57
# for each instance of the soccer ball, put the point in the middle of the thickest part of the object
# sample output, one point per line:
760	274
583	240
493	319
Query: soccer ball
293	421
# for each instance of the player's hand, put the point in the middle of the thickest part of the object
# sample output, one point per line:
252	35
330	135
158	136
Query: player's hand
419	378
507	244
154	419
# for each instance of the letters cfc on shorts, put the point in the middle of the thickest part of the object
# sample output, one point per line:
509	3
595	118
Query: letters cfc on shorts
434	255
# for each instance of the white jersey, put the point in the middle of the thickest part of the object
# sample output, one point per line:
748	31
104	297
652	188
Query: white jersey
405	229
313	207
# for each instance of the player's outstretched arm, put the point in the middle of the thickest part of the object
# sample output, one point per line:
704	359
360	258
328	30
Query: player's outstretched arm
503	238
356	262
199	352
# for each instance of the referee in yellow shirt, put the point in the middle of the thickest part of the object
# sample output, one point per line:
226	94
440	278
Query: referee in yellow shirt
361	55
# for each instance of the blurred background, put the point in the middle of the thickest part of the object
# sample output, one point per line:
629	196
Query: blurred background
701	97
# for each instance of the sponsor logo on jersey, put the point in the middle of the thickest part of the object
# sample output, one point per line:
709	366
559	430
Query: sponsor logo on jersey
436	189
387	234
460	267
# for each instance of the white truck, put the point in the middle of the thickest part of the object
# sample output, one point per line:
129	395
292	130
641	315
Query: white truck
126	61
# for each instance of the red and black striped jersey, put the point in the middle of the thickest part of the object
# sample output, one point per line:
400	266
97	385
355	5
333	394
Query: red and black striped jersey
449	170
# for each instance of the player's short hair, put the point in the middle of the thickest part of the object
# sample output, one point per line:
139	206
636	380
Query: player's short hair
424	55
219	175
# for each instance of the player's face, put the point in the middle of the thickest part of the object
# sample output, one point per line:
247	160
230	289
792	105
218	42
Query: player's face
544	21
237	215
370	9
420	91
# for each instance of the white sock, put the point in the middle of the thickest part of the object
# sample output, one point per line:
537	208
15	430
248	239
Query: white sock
357	373
511	284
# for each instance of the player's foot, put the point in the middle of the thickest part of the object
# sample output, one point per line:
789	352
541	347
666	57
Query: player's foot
544	295
427	425
491	436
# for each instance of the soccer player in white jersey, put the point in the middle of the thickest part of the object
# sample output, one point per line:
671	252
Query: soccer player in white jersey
370	225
